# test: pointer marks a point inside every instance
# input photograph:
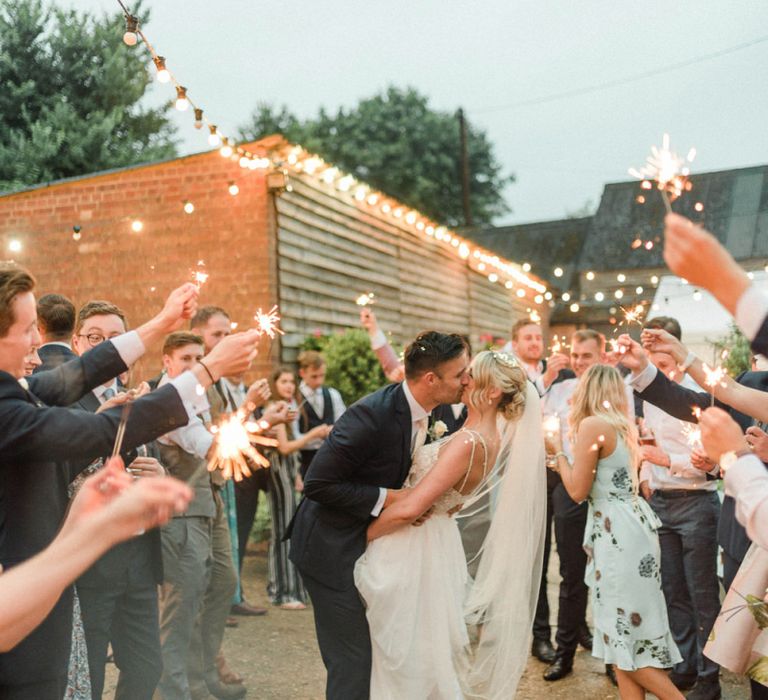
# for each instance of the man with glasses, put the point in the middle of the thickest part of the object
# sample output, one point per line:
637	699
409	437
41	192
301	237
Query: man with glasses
118	594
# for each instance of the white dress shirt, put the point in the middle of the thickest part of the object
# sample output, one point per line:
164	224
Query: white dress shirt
314	397
668	431
237	391
193	437
557	402
98	392
535	372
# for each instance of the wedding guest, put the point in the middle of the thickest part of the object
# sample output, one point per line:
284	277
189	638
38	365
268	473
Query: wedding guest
36	440
117	596
320	405
688	507
56	321
110	507
630	616
284	586
570	517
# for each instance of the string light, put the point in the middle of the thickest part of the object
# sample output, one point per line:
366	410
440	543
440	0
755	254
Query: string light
163	76
131	37
189	207
182	103
590	276
558	272
136	226
213	137
233	188
15	245
599	296
566	297
198	118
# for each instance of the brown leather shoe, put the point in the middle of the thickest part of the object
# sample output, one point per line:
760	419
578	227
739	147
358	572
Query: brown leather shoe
247	609
226	674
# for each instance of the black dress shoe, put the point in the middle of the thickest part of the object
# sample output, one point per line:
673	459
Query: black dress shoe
706	689
682	682
559	668
543	650
611	673
585	638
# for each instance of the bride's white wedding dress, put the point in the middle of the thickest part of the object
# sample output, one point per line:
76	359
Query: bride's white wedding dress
414	584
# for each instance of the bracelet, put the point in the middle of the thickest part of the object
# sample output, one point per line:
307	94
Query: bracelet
207	371
690	358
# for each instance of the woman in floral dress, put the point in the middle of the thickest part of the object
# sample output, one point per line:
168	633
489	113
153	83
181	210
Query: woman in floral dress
623	574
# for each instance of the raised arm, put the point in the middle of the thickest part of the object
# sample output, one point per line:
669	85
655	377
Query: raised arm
452	466
587	450
749	401
390	362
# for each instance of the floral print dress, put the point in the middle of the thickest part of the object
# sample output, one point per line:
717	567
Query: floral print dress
623	572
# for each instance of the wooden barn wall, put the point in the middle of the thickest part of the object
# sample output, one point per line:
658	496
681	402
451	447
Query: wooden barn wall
331	249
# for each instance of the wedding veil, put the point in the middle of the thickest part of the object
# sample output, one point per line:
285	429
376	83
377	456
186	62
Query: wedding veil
502	599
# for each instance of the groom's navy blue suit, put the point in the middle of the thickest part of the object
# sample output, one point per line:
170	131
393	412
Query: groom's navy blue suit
369	448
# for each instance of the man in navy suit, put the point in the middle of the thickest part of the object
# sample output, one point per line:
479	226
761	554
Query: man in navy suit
56	321
38	437
356	473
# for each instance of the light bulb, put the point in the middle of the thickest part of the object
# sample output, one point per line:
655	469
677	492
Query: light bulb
538	299
198	118
182	103
131	36
233	188
520	293
189	207
574	307
225	150
618	294
566	297
558	272
621	277
163	76
136	226
526	267
14	246
599	296
590	276
213	138
493	278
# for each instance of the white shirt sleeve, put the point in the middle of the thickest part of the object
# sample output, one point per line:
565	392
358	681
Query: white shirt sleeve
128	346
378	340
640	382
194	438
379	503
191	392
751	310
747	482
338	404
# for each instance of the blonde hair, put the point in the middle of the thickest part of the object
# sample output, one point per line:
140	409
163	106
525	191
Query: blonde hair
498	369
602	392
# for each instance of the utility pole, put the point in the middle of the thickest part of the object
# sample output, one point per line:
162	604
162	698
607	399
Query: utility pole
464	161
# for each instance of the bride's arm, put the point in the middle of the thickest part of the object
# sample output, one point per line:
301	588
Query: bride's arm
578	477
452	465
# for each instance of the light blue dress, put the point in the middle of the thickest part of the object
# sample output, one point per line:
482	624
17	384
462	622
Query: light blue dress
623	572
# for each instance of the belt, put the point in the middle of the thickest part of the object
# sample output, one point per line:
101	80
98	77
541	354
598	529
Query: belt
681	493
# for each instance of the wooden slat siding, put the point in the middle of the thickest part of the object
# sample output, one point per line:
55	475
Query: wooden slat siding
330	250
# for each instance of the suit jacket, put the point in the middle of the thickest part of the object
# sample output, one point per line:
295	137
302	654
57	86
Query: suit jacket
677	401
444	412
760	342
138	559
369	448
35	442
52	356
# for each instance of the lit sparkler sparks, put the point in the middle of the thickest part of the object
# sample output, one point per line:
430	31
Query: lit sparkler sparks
234	446
633	315
365	299
266	323
668	170
714	377
692	435
551	426
199	277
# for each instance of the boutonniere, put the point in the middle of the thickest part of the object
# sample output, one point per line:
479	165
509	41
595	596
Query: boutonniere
437	430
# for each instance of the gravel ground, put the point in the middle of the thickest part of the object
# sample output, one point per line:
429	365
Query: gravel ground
278	657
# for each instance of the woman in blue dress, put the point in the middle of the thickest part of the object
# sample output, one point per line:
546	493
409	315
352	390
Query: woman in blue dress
623	573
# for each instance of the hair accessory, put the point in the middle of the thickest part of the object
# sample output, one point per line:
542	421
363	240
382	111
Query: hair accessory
504	358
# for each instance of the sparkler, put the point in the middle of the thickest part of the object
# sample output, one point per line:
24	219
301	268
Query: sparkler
234	445
668	170
551	426
198	276
633	315
714	377
266	323
365	299
692	435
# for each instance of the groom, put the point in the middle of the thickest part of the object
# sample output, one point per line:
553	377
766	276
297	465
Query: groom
356	473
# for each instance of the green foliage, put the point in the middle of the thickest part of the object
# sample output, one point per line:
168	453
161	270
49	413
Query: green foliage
395	142
352	367
739	357
69	102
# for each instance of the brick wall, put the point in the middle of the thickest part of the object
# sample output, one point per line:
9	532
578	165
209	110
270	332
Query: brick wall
137	270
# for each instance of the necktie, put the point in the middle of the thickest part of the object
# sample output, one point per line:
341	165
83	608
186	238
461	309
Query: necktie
108	394
421	434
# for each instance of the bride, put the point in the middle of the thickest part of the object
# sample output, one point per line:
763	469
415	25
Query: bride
419	598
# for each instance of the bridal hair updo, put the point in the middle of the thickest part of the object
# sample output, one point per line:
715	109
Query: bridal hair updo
499	369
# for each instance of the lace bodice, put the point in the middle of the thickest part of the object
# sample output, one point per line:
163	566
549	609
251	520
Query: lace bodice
426	457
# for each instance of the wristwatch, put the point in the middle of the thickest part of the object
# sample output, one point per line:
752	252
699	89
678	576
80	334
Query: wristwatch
728	459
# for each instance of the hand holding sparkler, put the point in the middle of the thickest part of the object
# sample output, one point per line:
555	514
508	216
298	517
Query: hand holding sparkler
758	442
555	364
258	394
180	306
659	340
368	320
366	299
232	356
696	255
720	434
552	439
633	356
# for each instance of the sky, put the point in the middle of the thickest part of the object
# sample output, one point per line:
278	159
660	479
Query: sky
488	56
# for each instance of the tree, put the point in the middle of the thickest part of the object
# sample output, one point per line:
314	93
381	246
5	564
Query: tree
395	142
738	355
69	102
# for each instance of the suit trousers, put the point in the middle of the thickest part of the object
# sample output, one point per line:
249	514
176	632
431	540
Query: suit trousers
347	654
688	539
541	627
127	616
217	602
570	523
45	690
187	564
